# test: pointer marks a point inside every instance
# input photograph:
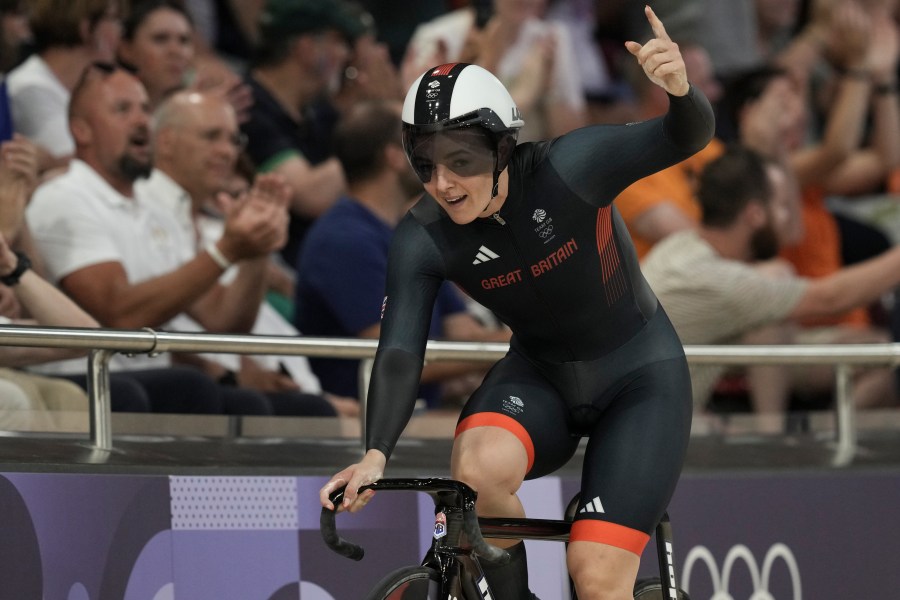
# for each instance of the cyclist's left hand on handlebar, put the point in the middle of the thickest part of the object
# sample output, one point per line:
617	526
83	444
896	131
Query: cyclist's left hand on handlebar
369	470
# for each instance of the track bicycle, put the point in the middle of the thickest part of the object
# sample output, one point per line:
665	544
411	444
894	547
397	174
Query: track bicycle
451	567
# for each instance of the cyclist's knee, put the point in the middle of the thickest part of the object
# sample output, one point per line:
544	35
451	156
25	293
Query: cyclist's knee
489	459
488	481
602	572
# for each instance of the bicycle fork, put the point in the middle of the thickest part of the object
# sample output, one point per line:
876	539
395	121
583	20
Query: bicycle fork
461	575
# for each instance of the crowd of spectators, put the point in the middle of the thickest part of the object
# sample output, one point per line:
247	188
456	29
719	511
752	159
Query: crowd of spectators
234	166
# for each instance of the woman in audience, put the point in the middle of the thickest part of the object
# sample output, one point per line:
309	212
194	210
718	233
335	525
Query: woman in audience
158	42
68	36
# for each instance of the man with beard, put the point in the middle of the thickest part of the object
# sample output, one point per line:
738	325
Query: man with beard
343	262
721	283
120	256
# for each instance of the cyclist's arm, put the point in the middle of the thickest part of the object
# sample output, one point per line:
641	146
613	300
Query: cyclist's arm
600	161
413	278
415	272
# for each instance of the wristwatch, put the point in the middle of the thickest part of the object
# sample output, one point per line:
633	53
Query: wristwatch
23	265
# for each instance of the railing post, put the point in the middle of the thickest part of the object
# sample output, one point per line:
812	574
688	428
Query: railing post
100	398
846	416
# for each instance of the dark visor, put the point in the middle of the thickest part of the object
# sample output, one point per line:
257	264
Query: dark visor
466	151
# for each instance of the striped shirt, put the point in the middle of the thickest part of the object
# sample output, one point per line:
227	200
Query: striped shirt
714	300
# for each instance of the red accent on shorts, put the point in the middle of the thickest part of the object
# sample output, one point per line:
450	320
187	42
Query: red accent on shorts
612	534
489	419
443	69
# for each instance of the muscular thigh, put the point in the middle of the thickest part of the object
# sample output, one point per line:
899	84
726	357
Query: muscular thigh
515	397
634	456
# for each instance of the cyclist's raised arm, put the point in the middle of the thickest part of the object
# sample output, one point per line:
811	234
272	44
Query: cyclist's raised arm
600	161
415	272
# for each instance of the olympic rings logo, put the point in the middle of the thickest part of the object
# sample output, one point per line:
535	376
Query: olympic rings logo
759	578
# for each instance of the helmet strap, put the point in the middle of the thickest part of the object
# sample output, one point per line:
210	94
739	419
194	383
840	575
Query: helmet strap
496	189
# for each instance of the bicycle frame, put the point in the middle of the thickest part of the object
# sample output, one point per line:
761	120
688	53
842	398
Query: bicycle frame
460	572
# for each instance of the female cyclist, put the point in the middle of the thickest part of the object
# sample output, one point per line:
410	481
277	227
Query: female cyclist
530	232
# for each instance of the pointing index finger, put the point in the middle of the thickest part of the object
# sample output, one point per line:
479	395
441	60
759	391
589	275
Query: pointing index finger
659	31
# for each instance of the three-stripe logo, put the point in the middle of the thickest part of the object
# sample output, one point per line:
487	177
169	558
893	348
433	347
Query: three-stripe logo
484	254
594	506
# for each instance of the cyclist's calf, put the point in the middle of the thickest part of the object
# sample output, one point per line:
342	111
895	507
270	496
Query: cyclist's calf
602	572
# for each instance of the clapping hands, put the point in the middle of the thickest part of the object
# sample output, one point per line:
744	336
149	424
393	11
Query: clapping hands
256	223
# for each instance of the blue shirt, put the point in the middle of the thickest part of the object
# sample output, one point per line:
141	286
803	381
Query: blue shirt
340	288
6	124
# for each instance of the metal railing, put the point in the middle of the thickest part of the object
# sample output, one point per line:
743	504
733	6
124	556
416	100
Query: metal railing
104	343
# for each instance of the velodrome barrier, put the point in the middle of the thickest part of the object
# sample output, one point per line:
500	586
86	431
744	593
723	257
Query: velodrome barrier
78	536
103	343
111	532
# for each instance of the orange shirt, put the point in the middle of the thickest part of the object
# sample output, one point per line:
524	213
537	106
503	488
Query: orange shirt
893	182
675	185
819	252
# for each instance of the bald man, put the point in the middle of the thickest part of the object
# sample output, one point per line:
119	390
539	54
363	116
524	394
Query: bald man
197	143
120	257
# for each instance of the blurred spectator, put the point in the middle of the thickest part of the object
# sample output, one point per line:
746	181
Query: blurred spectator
534	58
722	284
814	41
843	161
27	299
227	28
770	116
68	36
158	42
370	74
726	29
776	21
45	305
197	141
343	266
15	34
18	178
396	26
118	255
303	50
609	98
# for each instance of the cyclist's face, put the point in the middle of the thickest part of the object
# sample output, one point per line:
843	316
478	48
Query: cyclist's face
461	175
466	152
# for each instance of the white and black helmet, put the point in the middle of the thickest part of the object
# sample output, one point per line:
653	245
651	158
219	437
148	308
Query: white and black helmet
459	96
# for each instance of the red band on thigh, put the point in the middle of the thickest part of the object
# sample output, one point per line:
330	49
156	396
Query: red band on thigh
612	534
490	419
